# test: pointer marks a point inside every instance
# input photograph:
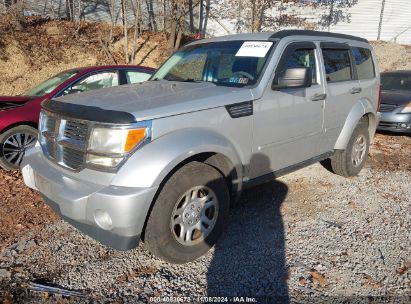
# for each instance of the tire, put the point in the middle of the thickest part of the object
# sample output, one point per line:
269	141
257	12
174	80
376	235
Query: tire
350	161
174	213
13	145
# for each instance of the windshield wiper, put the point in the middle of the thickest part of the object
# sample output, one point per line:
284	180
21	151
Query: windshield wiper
197	81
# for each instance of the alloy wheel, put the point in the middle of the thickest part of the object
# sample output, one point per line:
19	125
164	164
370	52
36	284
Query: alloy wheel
15	146
194	215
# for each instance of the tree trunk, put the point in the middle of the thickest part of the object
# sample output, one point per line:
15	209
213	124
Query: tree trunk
173	27
69	12
381	19
137	25
331	15
164	15
200	25
207	14
191	14
124	17
17	10
152	15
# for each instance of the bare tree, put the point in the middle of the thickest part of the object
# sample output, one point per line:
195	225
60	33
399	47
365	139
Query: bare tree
381	19
206	16
16	11
191	15
335	11
125	28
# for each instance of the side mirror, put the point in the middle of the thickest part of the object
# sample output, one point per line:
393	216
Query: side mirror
293	78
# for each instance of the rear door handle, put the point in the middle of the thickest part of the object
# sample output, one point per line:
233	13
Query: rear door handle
318	96
355	90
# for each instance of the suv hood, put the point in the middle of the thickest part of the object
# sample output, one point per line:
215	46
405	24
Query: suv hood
396	97
155	99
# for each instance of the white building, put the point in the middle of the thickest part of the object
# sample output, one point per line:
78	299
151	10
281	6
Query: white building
362	19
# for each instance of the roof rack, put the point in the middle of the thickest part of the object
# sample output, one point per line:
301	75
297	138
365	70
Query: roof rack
286	33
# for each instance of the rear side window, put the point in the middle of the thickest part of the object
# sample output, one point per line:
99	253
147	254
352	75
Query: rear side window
136	77
363	62
337	64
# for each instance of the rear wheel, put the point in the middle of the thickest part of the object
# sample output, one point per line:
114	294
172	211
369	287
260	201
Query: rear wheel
350	161
189	214
13	145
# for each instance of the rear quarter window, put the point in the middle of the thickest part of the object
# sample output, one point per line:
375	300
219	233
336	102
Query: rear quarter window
363	63
337	64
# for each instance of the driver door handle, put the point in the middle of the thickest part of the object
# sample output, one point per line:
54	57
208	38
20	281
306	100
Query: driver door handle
318	96
355	90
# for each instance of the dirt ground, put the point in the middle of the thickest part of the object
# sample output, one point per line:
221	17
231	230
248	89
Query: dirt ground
22	209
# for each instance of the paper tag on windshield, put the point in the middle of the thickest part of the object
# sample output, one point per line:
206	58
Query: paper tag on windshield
254	49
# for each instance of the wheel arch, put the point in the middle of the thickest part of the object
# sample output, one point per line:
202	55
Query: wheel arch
361	110
20	123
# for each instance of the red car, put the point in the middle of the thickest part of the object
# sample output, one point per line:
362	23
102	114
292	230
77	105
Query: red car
19	115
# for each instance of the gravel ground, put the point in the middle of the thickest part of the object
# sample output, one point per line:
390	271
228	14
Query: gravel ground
310	236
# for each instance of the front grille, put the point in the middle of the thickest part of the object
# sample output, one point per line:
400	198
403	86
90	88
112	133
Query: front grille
75	130
386	107
50	123
72	158
388	124
50	148
63	140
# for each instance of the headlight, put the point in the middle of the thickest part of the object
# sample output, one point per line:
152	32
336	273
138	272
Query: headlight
115	141
109	146
407	108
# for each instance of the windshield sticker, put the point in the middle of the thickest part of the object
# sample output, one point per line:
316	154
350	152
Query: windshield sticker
254	49
239	80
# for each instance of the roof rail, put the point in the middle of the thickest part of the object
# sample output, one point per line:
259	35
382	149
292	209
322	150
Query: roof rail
286	33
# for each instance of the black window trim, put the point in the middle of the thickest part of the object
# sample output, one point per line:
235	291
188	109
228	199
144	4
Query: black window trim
58	94
289	49
340	46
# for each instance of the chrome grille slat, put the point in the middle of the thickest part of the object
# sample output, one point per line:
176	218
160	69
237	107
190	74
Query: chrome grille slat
64	141
72	158
76	130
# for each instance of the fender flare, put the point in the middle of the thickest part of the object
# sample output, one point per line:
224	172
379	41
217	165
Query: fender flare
361	108
150	165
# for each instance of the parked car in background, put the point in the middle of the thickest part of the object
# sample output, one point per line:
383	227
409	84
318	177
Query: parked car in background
19	115
396	102
162	161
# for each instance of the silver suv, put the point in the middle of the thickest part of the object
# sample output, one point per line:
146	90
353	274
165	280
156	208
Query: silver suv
161	161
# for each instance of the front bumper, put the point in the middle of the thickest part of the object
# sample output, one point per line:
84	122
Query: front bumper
113	215
395	122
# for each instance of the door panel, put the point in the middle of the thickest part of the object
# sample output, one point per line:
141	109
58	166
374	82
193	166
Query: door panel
288	124
343	91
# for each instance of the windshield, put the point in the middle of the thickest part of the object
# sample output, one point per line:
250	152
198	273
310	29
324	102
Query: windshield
227	63
50	84
396	82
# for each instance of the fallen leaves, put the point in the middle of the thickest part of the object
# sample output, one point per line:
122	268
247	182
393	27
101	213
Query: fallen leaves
21	209
144	270
319	278
370	282
403	268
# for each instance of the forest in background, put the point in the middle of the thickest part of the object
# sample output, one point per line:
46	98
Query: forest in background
178	19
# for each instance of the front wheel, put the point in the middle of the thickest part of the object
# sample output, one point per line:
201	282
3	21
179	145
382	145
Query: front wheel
350	161
13	145
189	214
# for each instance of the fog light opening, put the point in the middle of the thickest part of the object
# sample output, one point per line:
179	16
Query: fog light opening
103	219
